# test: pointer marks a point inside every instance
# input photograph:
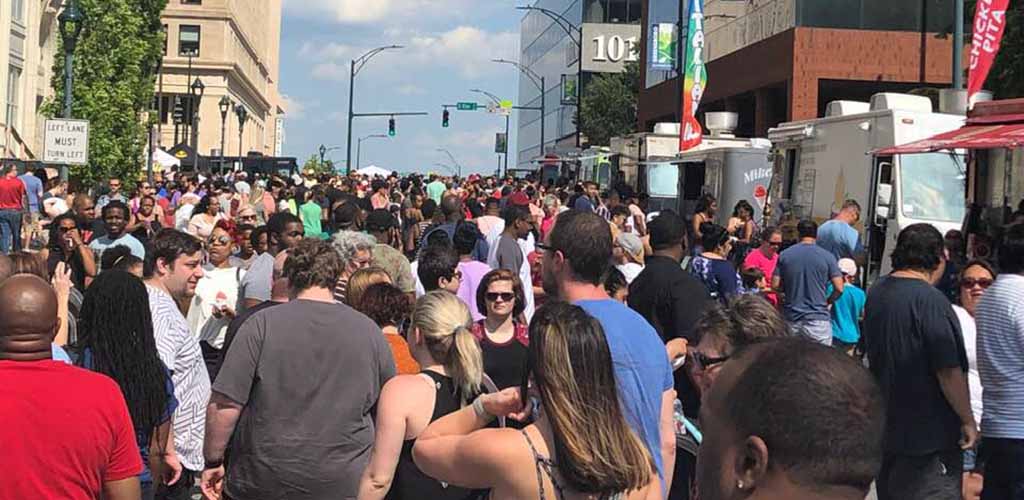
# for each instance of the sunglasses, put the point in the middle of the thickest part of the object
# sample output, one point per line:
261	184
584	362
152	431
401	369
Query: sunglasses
457	275
504	296
703	361
776	244
972	282
66	229
222	241
545	247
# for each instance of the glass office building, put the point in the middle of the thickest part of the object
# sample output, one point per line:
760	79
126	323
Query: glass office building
550	51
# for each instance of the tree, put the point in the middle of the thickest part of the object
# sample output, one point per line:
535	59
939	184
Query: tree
116	61
313	163
1006	80
609	106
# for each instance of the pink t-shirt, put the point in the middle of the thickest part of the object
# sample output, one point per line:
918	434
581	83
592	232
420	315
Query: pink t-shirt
757	258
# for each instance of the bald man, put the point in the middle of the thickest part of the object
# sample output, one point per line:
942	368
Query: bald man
66	432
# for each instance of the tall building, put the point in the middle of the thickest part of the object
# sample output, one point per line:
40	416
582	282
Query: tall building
28	40
610	37
778	60
232	47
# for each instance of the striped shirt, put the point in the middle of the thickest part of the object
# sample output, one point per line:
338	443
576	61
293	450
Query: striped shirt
180	352
1000	320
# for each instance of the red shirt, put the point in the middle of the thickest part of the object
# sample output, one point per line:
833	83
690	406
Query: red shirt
12	191
64	431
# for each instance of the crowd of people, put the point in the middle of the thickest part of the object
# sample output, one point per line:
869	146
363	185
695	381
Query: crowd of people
321	336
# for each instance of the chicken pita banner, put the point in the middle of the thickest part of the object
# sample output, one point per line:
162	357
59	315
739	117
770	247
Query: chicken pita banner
989	24
695	78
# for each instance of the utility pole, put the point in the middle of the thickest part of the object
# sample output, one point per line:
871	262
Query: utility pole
357	65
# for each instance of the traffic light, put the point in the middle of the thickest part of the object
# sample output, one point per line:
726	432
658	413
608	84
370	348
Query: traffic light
391	127
444	118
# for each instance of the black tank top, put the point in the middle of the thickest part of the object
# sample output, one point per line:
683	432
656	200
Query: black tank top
410	482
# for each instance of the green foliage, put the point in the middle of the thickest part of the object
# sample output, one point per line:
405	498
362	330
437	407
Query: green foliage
115	64
313	163
609	105
1006	80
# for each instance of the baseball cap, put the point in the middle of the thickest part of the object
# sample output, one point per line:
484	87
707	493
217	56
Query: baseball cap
519	198
380	220
632	245
848	267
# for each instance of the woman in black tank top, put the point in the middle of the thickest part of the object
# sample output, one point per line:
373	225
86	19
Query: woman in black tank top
441	341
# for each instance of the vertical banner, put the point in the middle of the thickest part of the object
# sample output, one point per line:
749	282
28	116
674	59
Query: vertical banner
989	23
663	47
690	131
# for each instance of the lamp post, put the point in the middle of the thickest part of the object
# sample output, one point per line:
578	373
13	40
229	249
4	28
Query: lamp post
357	65
225	106
243	115
570	29
359	147
197	89
539	82
497	102
323	153
454	161
71	20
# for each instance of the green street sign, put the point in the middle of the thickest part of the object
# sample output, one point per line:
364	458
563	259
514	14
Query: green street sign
466	106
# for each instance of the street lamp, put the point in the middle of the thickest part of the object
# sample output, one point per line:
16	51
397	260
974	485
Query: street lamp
359	147
323	153
497	102
570	29
225	106
71	20
357	65
243	115
539	82
452	158
196	90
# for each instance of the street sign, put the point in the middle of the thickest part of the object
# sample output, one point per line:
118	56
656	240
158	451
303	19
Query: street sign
500	143
466	106
66	142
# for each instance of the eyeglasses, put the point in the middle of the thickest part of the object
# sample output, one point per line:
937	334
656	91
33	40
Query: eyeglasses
504	296
545	247
457	275
703	361
984	283
247	217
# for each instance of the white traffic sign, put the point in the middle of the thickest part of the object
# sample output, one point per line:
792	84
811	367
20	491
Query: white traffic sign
66	142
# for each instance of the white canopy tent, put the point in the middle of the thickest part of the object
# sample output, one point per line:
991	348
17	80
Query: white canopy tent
165	159
373	171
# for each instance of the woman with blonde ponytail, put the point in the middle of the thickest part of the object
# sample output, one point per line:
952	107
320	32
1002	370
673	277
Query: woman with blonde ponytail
579	446
442	343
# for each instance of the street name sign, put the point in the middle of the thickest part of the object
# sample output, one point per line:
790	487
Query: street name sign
466	106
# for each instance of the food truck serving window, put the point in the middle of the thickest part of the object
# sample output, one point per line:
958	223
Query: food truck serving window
663	180
932	186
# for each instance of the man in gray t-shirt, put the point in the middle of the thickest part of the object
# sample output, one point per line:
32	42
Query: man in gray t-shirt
299	381
802	277
508	254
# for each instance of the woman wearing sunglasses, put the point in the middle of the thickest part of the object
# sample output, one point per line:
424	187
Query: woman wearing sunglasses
217	299
975	277
503	332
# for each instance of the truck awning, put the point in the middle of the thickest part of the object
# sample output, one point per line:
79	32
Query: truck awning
968	137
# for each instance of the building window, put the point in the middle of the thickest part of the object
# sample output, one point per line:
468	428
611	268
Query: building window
165	39
192	2
188	40
13	95
18	11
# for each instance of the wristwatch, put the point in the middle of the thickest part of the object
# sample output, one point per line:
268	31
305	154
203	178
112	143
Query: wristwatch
213	464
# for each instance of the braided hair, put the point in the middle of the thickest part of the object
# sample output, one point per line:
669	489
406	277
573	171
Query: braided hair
116	328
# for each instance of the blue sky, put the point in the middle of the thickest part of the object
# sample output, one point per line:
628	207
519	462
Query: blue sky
449	46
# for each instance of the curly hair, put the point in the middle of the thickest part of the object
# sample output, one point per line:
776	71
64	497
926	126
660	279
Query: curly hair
348	243
313	263
385	304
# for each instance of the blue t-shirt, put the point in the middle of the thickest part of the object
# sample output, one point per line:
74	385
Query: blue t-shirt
805	270
642	370
101	244
840	239
33	187
846	312
583	203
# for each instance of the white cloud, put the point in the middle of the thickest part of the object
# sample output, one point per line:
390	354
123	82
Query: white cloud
375	11
294	108
466	49
411	89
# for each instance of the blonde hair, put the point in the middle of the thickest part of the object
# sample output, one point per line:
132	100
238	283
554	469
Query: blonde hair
444	323
363	279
